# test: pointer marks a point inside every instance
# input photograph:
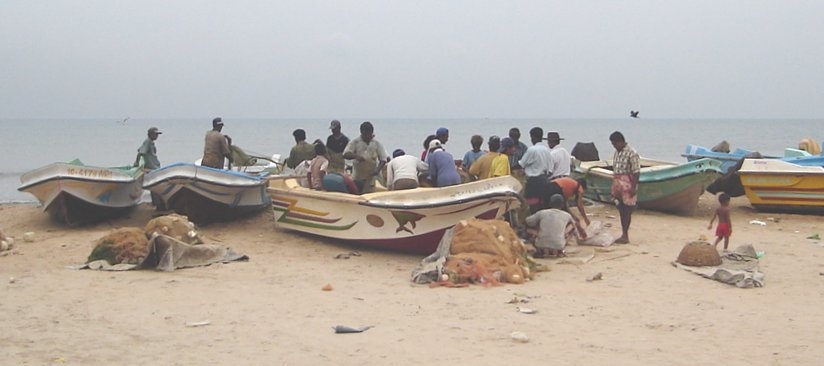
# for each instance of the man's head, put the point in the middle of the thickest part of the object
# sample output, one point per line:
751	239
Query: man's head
435	145
367	131
618	141
334	126
515	134
582	183
553	138
476	142
398	152
536	135
427	140
299	134
507	146
217	124
320	149
494	143
556	201
154	133
442	134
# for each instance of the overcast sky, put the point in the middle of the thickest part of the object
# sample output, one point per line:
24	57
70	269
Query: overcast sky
415	59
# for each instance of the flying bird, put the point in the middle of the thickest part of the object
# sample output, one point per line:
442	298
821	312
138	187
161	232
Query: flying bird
634	114
123	122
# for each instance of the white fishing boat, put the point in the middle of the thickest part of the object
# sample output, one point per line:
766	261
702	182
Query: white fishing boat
207	194
408	220
74	193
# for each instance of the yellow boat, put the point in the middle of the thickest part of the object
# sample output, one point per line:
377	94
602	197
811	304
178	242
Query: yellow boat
775	185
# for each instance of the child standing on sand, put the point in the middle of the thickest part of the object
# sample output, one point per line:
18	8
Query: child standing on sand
724	228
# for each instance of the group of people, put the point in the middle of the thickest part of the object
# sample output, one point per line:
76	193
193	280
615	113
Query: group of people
544	168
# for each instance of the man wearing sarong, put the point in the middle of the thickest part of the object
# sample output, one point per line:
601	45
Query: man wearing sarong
216	147
626	171
148	151
369	156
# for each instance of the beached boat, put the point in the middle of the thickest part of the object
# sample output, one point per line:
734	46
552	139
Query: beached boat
409	220
776	185
74	193
207	194
729	160
663	186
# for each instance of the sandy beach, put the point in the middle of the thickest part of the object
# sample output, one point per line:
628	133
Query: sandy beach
271	310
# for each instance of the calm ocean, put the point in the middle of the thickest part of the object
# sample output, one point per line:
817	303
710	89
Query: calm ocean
32	143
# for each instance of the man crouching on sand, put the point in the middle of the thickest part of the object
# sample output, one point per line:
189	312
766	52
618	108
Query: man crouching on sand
554	226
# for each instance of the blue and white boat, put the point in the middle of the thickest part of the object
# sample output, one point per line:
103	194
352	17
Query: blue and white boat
207	194
729	160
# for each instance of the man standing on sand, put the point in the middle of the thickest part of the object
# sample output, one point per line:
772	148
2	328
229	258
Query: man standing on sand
561	160
536	164
626	171
335	144
301	151
370	157
148	152
216	147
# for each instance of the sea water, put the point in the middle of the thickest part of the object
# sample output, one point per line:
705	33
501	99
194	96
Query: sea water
32	143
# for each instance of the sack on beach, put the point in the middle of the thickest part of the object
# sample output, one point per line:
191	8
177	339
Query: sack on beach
174	225
597	236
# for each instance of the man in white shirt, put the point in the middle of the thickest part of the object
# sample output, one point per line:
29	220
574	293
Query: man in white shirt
561	161
536	162
402	171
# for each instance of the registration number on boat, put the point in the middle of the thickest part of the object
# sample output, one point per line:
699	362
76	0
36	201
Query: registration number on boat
89	173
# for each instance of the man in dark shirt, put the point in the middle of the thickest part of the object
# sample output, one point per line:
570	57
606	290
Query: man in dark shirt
335	144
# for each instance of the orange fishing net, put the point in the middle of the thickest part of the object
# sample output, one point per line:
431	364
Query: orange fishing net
486	252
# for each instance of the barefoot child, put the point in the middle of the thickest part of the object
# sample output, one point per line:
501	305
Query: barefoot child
724	229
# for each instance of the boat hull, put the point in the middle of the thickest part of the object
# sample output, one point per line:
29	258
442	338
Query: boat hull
409	221
782	186
206	194
666	187
76	194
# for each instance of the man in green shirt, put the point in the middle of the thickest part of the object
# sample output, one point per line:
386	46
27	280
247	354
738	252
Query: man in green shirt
301	151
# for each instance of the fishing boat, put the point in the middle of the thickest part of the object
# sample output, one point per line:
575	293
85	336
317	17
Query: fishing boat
729	160
74	193
776	185
409	220
207	194
663	186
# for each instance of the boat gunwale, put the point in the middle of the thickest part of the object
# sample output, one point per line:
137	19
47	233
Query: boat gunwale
133	180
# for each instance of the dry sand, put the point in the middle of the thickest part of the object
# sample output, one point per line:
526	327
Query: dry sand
271	310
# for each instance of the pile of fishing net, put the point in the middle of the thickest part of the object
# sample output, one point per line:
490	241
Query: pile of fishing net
166	243
486	252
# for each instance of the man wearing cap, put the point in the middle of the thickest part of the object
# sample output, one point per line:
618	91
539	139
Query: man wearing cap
500	165
370	157
442	169
561	160
536	163
402	171
216	148
301	151
481	168
442	134
148	152
335	144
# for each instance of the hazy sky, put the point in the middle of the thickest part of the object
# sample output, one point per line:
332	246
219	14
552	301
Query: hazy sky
427	59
